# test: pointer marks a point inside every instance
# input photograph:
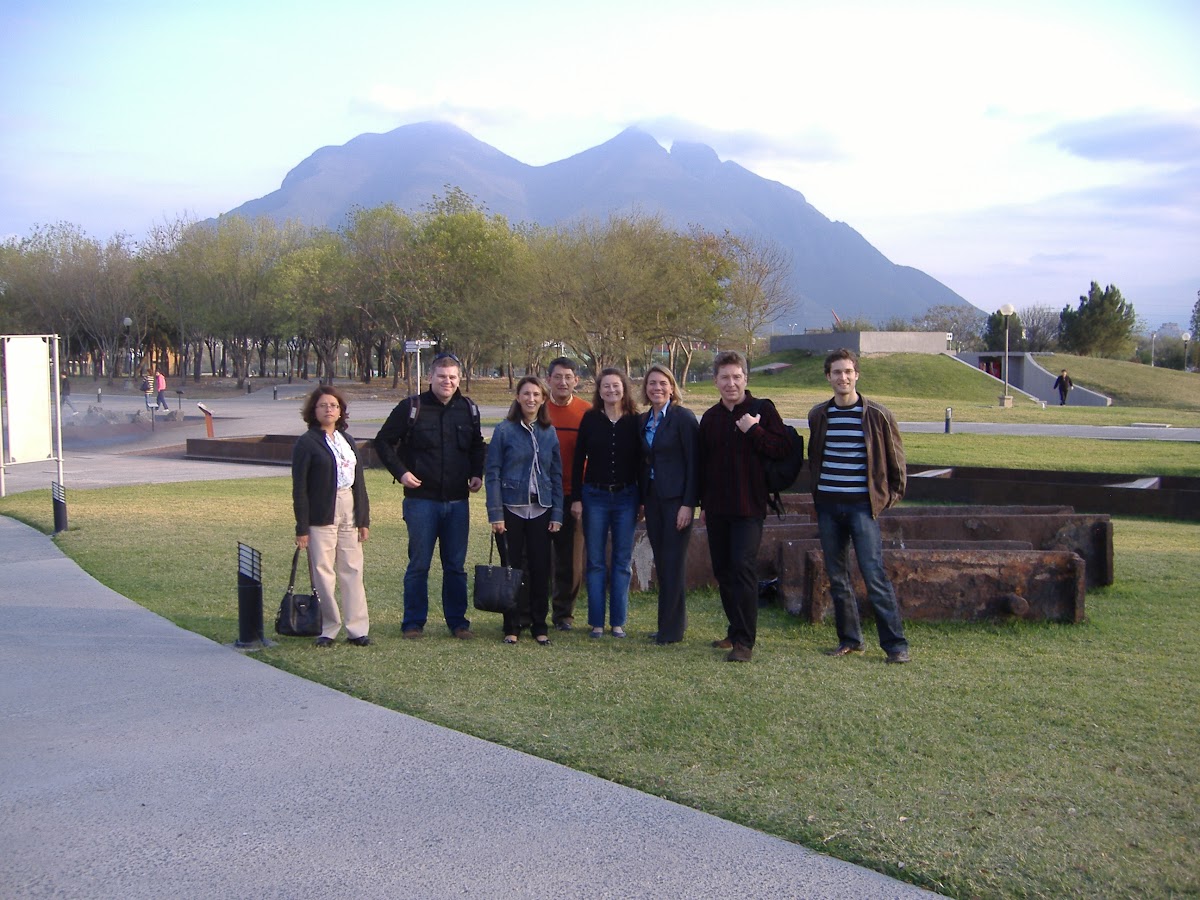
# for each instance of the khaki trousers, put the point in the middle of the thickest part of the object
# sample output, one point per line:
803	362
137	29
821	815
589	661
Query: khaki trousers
335	555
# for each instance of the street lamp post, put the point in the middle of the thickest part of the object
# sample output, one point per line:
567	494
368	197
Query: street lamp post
1153	335
1187	336
1006	310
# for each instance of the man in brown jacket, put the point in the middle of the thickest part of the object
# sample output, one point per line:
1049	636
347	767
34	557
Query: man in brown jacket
857	465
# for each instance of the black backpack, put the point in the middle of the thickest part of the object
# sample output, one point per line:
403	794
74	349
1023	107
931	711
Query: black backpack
782	473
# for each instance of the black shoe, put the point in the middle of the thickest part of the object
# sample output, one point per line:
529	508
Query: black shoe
844	650
363	641
324	642
563	626
899	656
652	637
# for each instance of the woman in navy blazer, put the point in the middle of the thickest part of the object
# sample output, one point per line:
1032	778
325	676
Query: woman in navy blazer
669	485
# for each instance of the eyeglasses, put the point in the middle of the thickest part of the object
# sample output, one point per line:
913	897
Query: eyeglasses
328	406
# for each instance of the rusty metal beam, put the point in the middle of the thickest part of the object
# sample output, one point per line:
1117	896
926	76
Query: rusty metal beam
958	585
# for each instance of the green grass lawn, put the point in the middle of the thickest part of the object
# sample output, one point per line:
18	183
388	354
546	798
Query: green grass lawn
1009	760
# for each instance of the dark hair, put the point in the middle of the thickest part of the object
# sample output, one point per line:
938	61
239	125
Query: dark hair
561	362
308	412
730	358
514	412
841	353
676	394
628	406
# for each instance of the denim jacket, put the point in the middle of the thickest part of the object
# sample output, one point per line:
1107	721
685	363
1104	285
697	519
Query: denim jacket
507	470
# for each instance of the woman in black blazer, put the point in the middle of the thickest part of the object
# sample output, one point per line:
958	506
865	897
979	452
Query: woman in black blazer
333	515
669	488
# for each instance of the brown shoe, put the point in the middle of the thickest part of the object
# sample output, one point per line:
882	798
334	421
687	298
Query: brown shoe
739	653
413	634
723	644
844	650
899	656
464	634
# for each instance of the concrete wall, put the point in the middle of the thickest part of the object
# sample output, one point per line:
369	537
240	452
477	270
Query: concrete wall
862	341
1027	375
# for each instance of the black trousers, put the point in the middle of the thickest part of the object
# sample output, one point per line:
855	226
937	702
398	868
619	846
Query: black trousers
733	548
669	546
566	559
529	549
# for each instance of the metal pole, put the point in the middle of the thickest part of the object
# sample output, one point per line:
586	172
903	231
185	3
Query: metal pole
1006	357
58	454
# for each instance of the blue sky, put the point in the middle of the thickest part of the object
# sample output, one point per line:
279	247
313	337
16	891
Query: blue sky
1014	150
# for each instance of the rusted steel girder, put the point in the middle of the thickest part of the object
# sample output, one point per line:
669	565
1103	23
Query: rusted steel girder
957	585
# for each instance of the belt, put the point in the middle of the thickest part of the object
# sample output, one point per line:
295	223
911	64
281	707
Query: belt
611	488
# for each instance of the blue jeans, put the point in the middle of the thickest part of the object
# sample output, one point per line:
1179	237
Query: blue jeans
607	514
839	525
446	523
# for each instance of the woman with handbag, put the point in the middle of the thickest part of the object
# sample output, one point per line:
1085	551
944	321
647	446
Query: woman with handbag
333	516
604	475
669	487
523	474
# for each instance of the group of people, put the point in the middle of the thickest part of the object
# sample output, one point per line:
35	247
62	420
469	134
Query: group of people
565	482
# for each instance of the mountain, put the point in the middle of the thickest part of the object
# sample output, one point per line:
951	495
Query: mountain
833	266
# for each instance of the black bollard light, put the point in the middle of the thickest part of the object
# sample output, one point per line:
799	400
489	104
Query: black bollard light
59	498
250	599
949	417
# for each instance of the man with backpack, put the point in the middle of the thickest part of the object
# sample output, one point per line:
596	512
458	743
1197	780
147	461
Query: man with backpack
736	434
433	445
856	461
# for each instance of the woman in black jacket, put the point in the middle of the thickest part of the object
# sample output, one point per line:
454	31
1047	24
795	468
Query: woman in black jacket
669	484
333	516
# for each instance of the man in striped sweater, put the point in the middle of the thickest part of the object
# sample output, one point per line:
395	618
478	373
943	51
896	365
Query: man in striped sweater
857	466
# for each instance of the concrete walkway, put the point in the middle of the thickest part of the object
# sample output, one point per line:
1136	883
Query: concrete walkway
141	760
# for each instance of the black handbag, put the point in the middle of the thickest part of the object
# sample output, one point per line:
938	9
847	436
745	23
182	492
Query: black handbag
299	614
496	587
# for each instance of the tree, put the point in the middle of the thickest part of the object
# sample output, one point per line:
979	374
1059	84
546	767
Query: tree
1041	328
756	292
997	331
1102	325
963	321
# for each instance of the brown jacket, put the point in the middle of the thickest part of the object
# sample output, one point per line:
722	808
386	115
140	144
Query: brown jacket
886	467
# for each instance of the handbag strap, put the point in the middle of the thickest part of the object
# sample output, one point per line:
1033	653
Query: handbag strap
496	539
292	579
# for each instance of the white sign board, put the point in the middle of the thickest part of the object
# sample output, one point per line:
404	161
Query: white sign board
27	378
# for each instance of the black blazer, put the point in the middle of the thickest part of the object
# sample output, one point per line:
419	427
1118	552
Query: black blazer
673	456
314	482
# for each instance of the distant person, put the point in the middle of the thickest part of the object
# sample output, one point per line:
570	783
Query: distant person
566	410
1063	385
64	394
733	440
525	501
858	470
160	388
605	498
333	516
432	444
669	484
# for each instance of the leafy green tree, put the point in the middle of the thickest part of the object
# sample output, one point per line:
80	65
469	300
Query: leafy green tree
474	272
1103	324
994	332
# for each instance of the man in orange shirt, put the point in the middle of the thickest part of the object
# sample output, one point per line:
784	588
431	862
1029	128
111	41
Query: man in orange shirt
566	545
